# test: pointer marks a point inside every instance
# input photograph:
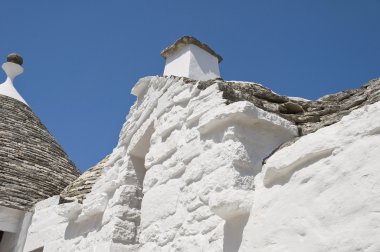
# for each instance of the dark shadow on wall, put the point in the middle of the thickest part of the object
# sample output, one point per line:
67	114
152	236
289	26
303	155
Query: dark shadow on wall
82	228
138	165
233	233
138	153
281	177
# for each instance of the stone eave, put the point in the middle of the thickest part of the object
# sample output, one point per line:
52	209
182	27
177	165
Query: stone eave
186	40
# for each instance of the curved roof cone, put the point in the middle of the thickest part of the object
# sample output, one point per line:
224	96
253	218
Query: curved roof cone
33	166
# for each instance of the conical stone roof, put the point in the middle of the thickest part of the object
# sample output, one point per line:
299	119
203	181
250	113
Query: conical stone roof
79	188
33	165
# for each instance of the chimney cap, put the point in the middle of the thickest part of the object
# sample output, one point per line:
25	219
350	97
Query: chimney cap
15	58
185	40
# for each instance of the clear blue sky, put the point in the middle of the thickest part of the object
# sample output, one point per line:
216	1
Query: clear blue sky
83	57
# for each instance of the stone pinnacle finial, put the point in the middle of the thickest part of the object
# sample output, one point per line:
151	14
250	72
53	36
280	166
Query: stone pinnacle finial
15	58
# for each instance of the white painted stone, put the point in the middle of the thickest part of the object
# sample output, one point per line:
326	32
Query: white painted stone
47	224
168	204
12	70
23	232
10	219
199	162
192	62
232	203
192	153
187	159
321	193
14	224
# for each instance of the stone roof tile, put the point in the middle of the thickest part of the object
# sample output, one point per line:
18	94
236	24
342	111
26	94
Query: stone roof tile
186	40
79	188
33	166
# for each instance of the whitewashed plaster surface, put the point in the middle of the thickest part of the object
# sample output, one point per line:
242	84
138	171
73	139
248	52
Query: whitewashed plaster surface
187	175
10	219
14	223
322	192
192	62
197	153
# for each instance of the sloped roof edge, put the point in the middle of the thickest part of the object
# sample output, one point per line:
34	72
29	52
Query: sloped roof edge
186	40
79	188
33	166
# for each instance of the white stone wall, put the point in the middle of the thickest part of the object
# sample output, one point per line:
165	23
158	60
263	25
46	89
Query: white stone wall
200	169
193	158
187	175
322	192
192	62
203	65
14	224
178	63
10	219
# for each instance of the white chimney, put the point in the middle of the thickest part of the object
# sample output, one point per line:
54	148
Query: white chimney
12	68
188	57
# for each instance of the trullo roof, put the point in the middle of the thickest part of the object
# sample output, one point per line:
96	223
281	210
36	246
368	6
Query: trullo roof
33	165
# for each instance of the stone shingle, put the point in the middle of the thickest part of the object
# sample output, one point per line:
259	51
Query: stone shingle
79	188
33	166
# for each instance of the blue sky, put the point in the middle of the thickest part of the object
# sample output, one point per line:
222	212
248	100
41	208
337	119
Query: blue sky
82	58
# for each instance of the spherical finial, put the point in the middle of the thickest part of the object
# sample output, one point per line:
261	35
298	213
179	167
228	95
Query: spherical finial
15	58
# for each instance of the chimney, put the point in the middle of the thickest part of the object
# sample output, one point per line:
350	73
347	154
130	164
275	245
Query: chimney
12	68
188	57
